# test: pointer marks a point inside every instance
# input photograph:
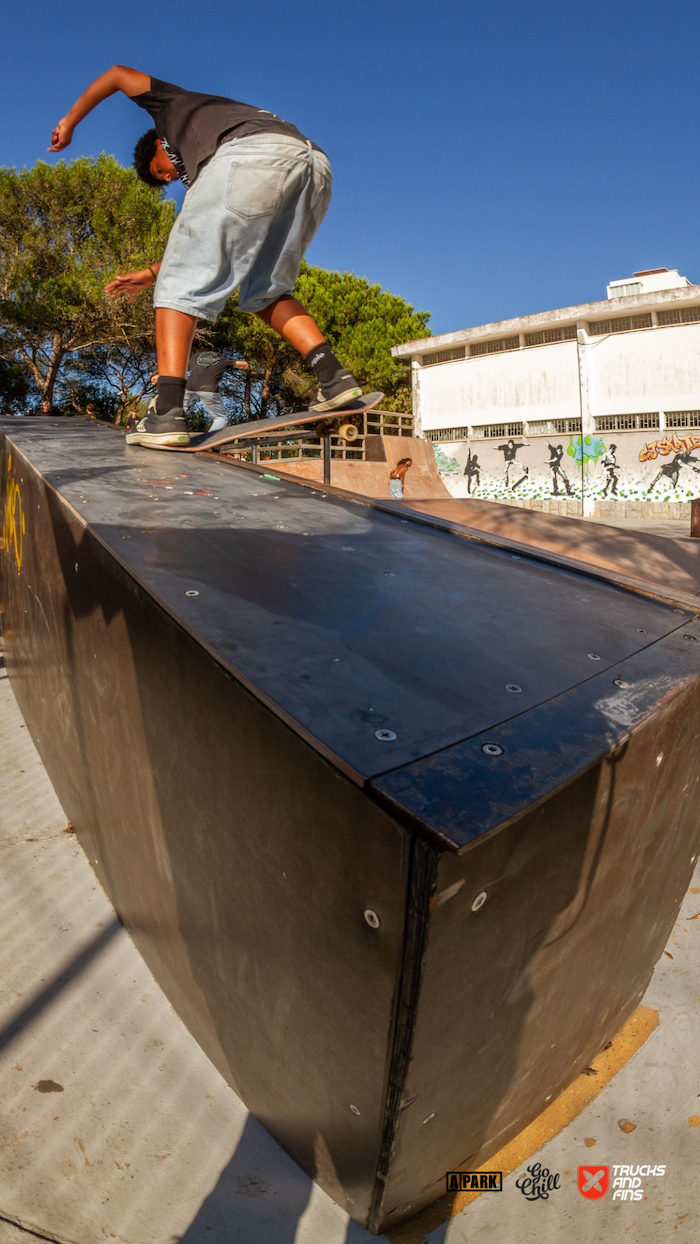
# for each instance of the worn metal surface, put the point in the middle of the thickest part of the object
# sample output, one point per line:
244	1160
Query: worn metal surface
214	663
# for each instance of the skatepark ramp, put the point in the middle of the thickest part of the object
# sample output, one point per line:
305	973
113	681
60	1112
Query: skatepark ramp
399	818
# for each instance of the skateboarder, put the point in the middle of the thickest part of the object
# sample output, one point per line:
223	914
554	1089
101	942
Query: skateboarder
472	470
257	192
609	465
671	470
556	453
206	370
510	458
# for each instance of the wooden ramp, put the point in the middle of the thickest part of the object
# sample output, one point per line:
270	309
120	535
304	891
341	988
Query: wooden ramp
371	478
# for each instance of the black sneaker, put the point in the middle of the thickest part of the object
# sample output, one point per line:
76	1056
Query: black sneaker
155	429
336	395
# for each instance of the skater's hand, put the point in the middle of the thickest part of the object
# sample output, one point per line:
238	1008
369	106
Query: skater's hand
242	365
131	285
61	136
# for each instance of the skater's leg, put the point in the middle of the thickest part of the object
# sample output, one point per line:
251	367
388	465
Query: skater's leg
214	406
292	321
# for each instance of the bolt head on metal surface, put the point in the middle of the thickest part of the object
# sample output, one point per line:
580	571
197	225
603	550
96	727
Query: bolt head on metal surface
354	1109
491	749
479	900
620	682
429	1117
513	688
640	630
692	638
372	918
384	736
594	656
191	592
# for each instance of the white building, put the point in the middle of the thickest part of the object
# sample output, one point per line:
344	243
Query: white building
601	402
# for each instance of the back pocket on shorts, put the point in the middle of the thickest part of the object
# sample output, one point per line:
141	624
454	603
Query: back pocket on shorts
253	190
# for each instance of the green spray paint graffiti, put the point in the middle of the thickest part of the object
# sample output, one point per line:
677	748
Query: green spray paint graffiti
585	448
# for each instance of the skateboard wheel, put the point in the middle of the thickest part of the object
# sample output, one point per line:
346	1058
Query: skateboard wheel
348	432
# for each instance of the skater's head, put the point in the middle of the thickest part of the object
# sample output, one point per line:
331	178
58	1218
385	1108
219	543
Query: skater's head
152	163
613	448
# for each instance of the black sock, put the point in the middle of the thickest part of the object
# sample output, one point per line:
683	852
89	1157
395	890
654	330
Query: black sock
323	361
171	392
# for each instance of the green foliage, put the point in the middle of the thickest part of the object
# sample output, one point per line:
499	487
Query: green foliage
65	231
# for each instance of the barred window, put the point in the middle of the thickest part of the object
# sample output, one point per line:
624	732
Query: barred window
682	315
622	324
447	434
494	347
626	423
626	290
443	356
683	418
497	429
548	335
553	427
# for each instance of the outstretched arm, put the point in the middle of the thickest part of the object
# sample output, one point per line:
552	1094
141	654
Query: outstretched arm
118	78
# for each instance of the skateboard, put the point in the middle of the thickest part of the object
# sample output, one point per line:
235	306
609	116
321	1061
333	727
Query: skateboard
342	423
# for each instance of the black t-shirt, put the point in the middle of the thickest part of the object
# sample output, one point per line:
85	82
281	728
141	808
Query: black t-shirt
191	125
206	369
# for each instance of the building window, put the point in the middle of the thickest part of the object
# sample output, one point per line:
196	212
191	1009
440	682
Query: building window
683	418
494	347
621	324
447	434
443	356
625	291
626	423
497	429
548	335
684	315
553	427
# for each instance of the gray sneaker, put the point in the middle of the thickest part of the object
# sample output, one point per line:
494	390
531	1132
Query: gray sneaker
336	396
155	429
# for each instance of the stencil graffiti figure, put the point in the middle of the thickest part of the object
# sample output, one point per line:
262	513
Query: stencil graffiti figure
672	469
558	472
512	466
609	465
472	470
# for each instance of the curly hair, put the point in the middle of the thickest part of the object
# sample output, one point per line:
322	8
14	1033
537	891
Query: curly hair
144	152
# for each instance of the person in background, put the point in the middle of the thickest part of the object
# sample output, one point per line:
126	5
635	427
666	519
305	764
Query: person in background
48	408
397	477
206	370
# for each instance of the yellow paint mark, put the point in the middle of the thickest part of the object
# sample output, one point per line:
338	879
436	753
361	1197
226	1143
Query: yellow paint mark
13	518
571	1102
589	1141
625	1125
693	1120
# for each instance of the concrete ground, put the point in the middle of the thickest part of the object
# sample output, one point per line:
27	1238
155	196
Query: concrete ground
675	528
115	1126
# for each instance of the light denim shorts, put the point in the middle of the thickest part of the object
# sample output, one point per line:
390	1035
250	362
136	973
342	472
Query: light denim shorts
247	220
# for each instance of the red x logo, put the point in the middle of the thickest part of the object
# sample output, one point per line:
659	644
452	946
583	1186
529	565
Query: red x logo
593	1181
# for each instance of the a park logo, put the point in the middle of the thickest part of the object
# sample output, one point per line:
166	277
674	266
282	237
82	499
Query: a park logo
207	358
593	1181
474	1181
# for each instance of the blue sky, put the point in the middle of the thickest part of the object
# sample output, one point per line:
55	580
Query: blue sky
491	159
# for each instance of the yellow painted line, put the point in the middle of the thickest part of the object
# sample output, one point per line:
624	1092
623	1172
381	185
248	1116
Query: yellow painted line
571	1102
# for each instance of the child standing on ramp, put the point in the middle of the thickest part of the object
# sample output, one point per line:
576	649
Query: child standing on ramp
257	191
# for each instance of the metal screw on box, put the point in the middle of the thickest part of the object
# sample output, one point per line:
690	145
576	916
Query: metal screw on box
491	749
513	688
479	901
372	918
385	736
620	682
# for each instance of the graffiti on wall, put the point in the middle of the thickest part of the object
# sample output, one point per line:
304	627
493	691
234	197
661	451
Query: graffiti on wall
626	469
13	518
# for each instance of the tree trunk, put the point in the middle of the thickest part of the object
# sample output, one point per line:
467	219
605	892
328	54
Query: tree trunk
265	392
57	356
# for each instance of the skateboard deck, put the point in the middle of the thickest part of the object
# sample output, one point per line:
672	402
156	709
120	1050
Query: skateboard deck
329	423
